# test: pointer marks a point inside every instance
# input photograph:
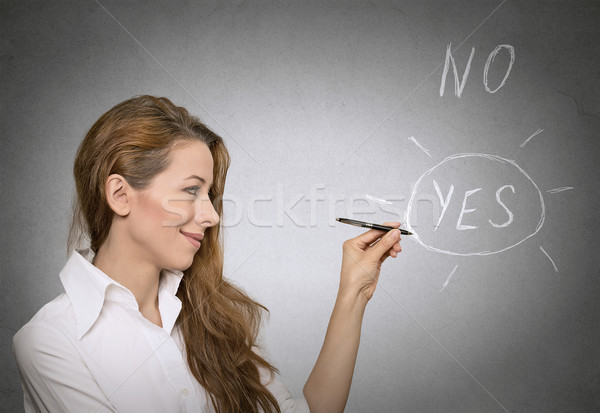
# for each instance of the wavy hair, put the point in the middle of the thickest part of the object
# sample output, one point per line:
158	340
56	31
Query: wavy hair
219	322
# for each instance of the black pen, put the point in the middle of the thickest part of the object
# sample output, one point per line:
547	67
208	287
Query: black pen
370	225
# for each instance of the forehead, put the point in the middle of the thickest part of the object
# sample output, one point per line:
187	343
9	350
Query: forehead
190	158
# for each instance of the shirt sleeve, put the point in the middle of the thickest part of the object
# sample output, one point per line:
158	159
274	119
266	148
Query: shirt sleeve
286	402
53	375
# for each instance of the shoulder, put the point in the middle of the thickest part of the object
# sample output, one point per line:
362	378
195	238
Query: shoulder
58	313
53	372
53	324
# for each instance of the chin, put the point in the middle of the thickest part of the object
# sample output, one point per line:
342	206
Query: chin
184	263
178	261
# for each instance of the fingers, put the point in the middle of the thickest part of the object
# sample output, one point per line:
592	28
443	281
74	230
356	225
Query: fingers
372	235
383	246
392	252
394	224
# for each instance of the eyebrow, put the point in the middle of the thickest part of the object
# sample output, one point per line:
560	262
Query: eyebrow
199	178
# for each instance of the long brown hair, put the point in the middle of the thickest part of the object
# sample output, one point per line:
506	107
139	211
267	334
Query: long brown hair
219	322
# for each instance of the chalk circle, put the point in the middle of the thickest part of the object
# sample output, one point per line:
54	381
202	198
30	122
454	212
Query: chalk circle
415	235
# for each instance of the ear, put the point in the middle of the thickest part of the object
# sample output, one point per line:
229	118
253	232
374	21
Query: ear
118	194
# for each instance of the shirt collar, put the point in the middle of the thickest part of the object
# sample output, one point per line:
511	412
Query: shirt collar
87	287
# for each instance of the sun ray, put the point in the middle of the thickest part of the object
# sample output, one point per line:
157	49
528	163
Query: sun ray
546	254
412	138
448	279
378	200
537	132
556	190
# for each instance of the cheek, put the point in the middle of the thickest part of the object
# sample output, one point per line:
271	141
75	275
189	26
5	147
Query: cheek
177	213
170	212
157	220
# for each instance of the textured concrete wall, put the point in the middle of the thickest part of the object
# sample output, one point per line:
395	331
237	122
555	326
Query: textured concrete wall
317	103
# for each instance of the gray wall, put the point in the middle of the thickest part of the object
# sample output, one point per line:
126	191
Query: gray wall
317	103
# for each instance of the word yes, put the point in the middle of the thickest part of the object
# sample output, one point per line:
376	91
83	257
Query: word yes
459	225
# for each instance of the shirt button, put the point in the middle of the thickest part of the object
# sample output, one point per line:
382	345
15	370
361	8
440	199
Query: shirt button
185	392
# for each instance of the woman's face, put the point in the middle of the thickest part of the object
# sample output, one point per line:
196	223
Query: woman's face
176	202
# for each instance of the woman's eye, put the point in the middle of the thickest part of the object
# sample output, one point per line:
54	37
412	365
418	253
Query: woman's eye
193	190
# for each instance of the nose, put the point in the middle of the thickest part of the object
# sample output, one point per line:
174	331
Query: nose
205	214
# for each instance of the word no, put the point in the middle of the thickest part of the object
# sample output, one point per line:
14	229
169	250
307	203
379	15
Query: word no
458	87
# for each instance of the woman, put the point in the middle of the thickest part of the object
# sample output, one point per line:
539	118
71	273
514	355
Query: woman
147	322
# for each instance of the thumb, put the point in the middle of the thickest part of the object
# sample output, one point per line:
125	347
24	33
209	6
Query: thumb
385	243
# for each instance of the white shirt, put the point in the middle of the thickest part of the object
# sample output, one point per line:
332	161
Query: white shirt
91	350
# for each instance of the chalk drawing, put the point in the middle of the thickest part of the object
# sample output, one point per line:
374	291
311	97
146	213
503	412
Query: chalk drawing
546	254
537	132
458	88
378	200
415	236
508	211
459	225
412	138
448	279
443	201
491	58
564	188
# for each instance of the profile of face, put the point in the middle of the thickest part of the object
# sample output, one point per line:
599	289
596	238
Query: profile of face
175	203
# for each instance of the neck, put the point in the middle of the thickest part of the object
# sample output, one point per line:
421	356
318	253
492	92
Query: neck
116	259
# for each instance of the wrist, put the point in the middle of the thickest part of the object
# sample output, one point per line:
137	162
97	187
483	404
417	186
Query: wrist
351	298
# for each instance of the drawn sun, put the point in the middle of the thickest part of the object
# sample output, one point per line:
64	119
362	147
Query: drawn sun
487	205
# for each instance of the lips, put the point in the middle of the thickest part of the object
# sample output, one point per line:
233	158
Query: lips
194	239
197	237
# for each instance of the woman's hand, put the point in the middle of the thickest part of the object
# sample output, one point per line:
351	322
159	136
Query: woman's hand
362	259
328	385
